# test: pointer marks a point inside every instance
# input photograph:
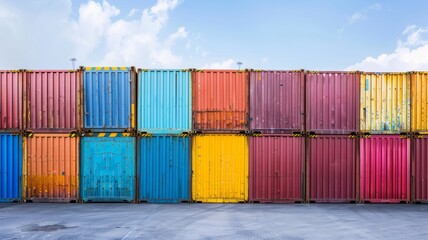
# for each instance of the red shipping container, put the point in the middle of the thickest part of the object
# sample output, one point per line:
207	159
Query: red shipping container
277	101
385	169
11	101
276	168
420	169
332	102
331	168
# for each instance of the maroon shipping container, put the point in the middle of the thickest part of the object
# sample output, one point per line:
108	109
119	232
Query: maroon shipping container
276	168
52	101
11	101
331	168
385	169
420	168
277	101
332	102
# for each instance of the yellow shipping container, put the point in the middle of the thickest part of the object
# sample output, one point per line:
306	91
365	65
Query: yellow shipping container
220	168
385	102
419	97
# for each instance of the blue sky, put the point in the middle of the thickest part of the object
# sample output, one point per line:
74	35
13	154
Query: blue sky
270	34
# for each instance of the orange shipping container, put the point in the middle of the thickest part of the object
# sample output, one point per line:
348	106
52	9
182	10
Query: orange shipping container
220	100
51	168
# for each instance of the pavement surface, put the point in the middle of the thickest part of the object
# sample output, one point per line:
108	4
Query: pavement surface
213	221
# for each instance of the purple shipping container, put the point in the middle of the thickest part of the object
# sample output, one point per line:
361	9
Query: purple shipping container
332	102
277	101
276	168
11	101
331	168
385	168
420	169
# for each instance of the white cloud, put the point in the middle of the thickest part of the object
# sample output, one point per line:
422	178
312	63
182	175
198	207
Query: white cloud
356	17
132	12
227	64
362	14
264	59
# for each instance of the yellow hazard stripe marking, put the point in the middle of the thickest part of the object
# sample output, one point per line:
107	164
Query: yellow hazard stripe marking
112	135
101	134
126	134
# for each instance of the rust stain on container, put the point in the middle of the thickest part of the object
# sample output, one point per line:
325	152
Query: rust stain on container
51	168
419	98
220	100
11	100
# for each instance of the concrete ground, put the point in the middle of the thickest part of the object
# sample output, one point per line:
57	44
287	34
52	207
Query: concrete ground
213	221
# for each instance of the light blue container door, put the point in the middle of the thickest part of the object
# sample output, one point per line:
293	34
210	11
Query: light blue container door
107	169
107	99
164	169
10	167
164	101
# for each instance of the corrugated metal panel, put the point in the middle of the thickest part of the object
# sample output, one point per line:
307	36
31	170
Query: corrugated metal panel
277	101
51	168
164	101
385	168
332	102
220	168
52	101
420	169
107	168
109	99
276	168
11	100
419	98
220	100
164	169
331	168
10	167
385	102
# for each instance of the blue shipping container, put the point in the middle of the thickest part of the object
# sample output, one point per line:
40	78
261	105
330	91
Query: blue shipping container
107	168
109	99
164	169
10	167
164	101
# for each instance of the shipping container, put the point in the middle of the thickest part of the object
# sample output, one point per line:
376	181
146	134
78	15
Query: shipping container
419	102
332	101
331	168
385	103
220	100
277	168
385	168
420	168
109	99
164	168
10	167
107	168
11	100
51	168
220	168
52	101
277	101
164	101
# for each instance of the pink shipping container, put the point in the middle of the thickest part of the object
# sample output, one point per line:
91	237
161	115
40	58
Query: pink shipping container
420	168
332	102
277	101
52	100
11	101
385	168
331	168
277	168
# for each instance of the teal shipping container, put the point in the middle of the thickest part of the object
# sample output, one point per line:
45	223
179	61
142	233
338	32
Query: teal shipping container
164	101
164	169
10	167
107	168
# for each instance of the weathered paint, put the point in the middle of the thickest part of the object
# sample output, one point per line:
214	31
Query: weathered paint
419	101
220	100
385	168
420	168
51	168
385	102
10	167
277	168
11	100
164	101
164	169
109	98
277	101
107	168
331	168
52	100
332	102
219	168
